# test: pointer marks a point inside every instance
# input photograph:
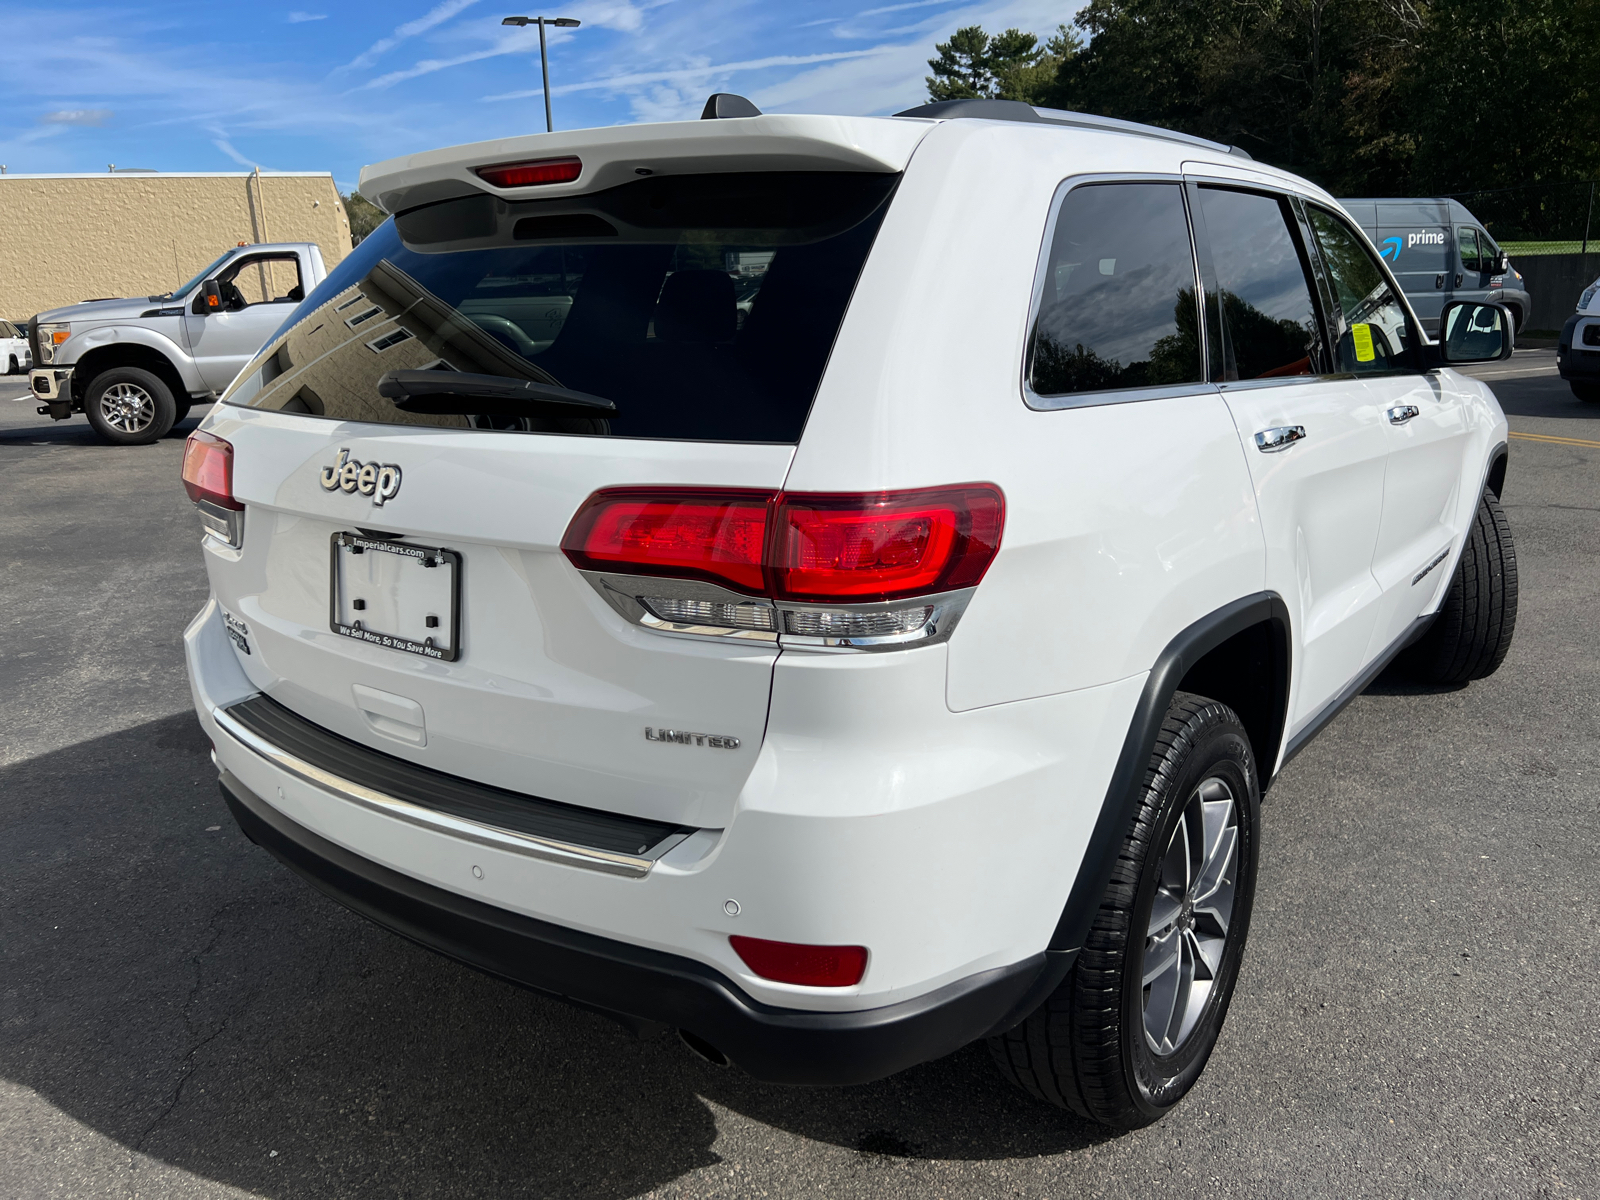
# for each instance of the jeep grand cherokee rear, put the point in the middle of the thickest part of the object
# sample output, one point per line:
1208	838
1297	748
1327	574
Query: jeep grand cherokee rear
837	587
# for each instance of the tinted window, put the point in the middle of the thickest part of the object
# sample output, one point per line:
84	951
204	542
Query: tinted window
1117	309
1269	322
702	306
1373	335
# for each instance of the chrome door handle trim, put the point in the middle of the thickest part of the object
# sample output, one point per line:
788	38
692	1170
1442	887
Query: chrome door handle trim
1270	441
1401	413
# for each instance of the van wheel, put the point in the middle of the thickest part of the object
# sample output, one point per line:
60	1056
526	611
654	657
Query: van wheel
129	407
1589	393
1128	1031
1469	638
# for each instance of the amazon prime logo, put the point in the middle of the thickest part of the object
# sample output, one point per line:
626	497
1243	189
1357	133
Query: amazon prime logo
381	481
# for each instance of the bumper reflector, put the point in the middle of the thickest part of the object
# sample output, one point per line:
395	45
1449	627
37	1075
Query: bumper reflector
808	966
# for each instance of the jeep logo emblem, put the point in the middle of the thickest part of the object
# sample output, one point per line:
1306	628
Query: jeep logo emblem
381	481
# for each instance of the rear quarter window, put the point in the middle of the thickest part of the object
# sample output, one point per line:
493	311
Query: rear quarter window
703	307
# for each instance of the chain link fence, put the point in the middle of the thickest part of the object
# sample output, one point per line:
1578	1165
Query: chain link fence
1540	218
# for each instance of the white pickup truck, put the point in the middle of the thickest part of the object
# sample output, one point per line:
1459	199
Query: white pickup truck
134	367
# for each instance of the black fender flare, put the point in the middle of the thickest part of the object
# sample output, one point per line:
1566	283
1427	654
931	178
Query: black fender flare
1122	793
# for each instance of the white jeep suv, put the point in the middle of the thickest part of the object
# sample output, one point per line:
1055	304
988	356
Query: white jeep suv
899	666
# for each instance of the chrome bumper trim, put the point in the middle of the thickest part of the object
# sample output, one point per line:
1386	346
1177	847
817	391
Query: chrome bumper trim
630	866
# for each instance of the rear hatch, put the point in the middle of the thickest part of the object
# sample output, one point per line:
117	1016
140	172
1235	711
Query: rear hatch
412	446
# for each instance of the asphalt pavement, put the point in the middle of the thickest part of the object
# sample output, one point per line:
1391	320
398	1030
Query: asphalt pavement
1418	1012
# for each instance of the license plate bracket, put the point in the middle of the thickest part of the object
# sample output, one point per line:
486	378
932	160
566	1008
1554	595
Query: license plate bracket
395	595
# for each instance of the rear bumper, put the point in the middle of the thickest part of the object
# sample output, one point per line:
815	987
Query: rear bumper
776	1045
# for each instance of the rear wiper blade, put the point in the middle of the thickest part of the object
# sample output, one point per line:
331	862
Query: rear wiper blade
460	393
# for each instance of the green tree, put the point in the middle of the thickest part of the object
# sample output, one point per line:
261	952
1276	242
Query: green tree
1012	65
364	216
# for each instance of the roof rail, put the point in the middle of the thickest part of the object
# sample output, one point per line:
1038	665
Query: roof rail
1016	110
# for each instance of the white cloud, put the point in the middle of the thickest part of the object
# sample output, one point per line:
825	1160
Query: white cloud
687	74
223	144
77	116
296	18
434	17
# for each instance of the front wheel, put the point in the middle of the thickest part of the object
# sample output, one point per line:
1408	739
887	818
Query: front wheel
1469	638
1589	393
11	367
1127	1033
129	407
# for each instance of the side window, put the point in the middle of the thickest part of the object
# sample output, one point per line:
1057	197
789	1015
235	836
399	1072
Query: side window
262	279
1269	321
1468	240
1373	334
1118	302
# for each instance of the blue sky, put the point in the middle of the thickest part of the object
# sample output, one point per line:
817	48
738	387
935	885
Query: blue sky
228	85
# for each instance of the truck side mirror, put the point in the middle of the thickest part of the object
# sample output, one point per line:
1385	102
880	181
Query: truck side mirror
210	298
1473	333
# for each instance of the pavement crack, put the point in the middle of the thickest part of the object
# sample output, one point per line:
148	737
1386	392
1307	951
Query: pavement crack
198	1041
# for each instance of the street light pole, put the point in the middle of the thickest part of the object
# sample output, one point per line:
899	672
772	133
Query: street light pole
544	56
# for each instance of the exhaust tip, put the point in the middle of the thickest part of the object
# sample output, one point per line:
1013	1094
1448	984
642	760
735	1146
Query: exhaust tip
701	1048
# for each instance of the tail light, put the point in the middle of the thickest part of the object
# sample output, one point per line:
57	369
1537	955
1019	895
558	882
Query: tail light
531	174
208	478
812	550
883	547
809	966
715	535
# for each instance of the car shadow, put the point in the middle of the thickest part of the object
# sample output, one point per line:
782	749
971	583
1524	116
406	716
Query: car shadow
171	986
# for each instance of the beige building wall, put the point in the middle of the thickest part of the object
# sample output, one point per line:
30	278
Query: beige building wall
68	238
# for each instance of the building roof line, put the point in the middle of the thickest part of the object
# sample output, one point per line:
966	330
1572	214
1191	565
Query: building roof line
166	175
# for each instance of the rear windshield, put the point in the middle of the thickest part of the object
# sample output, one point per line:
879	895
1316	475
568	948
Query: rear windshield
695	307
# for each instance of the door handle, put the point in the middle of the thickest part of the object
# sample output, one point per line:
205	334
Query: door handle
1401	413
1270	441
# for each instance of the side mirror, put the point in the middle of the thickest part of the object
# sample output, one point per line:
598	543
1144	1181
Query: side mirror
1500	265
210	298
1470	332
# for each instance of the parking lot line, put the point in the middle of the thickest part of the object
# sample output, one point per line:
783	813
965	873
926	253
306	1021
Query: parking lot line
1560	441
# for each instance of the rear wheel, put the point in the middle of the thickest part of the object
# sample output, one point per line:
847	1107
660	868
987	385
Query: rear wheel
1587	392
1469	638
1129	1030
129	407
11	366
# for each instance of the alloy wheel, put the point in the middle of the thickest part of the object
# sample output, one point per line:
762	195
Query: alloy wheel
128	408
1190	915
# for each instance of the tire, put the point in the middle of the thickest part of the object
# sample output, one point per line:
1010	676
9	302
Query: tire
1090	1046
1589	393
11	367
129	407
1473	631
181	412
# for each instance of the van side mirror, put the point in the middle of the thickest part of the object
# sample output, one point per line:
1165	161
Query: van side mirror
1470	332
1500	265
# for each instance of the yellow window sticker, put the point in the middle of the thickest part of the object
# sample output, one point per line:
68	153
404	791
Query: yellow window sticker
1362	336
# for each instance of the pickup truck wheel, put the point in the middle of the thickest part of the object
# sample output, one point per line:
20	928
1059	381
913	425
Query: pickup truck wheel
129	407
1129	1030
182	412
1469	638
11	367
